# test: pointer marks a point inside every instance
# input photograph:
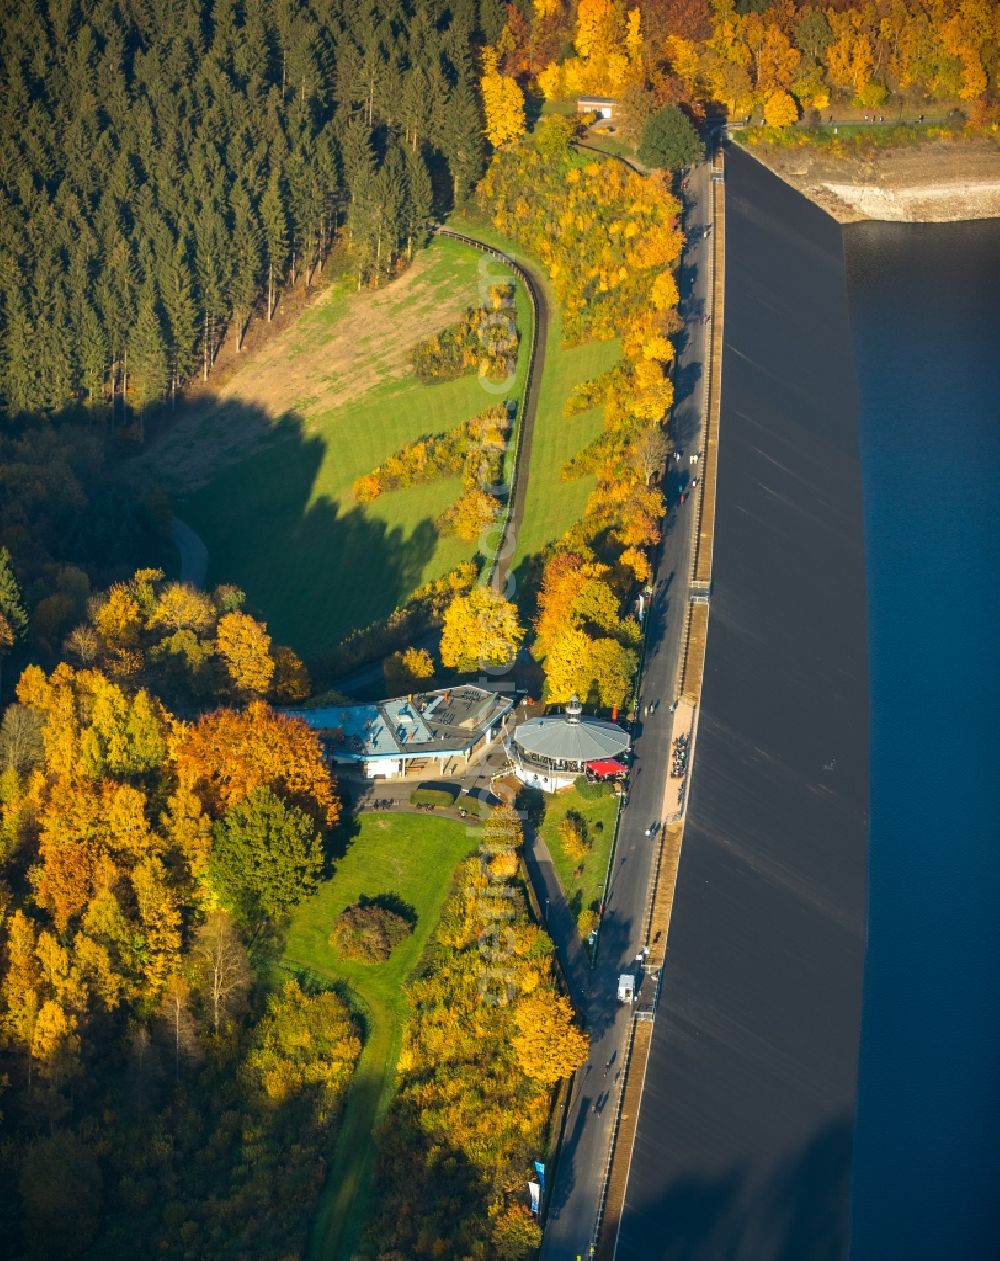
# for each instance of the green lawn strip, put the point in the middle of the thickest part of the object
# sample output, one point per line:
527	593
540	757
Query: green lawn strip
412	857
552	505
283	524
588	888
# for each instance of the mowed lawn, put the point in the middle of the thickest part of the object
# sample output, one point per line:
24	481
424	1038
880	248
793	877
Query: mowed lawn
553	505
282	522
585	889
413	857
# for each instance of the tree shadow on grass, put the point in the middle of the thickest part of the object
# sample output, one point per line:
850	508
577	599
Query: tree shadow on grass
425	1189
391	902
314	568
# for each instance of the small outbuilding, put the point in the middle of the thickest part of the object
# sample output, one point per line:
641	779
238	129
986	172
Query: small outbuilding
602	106
551	752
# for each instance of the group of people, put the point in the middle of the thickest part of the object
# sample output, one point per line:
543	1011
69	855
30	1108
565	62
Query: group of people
383	803
682	744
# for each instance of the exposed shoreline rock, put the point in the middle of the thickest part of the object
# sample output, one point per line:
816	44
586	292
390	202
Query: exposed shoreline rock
941	181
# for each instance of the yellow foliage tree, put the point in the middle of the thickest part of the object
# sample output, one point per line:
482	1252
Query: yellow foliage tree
406	671
573	835
161	921
245	647
291	682
549	1046
183	607
55	1043
780	109
480	629
503	103
638	562
118	618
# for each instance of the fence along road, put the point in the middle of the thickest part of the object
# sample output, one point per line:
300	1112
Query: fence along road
498	574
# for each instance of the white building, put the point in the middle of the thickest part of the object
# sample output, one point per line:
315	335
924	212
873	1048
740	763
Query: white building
438	732
602	106
551	752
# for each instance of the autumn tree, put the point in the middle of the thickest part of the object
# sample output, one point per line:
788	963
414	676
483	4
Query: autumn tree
159	920
181	606
548	1044
503	102
266	856
226	755
516	1233
649	452
221	968
245	647
573	836
290	682
21	745
408	670
174	1012
480	629
305	1042
780	109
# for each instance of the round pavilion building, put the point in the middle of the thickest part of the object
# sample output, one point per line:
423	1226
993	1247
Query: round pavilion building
551	752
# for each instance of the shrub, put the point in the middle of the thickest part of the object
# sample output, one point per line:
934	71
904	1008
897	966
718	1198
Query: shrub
586	921
573	835
591	791
432	797
472	805
485	340
475	449
369	931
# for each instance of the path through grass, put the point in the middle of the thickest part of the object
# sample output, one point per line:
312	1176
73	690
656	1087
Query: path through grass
552	505
280	521
413	857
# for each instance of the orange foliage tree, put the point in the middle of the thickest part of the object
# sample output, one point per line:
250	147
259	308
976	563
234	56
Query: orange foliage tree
225	756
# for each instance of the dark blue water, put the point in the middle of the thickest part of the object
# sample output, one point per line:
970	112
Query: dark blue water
925	302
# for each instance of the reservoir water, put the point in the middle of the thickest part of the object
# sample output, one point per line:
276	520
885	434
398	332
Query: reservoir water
925	315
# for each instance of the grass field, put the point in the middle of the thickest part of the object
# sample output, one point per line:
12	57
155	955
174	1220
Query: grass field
588	888
323	404
413	857
553	505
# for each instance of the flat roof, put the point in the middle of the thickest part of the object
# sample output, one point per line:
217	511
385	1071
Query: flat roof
426	724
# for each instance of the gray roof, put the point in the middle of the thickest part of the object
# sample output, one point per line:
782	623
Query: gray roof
429	724
583	740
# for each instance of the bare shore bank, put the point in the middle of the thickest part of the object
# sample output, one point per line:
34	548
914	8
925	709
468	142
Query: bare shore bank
940	181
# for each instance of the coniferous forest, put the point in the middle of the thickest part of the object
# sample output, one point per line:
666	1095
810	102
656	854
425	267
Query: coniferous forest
167	169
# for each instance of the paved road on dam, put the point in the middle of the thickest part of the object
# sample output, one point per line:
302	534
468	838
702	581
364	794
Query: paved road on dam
582	1163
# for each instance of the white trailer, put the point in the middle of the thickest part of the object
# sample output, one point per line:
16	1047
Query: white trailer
626	988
